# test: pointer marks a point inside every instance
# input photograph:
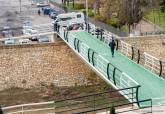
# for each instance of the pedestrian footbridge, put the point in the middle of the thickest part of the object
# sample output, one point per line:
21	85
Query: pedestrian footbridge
120	71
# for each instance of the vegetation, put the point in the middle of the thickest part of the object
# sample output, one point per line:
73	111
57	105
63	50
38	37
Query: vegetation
157	17
76	6
112	110
122	13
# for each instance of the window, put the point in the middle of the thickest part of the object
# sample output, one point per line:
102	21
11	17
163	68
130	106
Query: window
65	19
78	15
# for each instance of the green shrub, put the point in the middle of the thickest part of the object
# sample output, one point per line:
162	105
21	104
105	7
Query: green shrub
113	22
79	6
90	13
76	6
100	18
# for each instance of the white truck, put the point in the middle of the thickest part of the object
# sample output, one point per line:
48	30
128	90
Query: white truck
66	18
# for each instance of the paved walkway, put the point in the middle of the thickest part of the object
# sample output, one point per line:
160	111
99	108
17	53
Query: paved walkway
151	85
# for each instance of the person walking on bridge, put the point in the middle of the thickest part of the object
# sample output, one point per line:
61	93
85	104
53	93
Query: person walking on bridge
112	45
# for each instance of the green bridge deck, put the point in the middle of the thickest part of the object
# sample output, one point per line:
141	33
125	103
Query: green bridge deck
151	85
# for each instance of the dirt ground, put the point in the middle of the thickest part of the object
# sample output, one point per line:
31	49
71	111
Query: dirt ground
14	96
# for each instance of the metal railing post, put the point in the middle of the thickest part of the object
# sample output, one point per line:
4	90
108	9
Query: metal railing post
114	72
93	58
132	96
66	38
108	71
160	74
137	95
101	33
138	61
117	44
88	27
75	39
132	53
89	55
78	44
64	33
151	106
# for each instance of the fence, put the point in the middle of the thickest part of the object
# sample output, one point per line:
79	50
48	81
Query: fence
83	104
150	62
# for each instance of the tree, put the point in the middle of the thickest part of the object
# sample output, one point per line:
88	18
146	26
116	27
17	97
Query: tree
130	12
112	110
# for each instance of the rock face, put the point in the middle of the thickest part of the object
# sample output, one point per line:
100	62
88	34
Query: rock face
34	65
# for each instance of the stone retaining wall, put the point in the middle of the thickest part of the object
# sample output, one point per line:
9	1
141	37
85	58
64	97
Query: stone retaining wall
34	65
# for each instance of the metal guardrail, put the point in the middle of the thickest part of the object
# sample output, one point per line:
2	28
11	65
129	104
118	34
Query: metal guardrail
107	109
80	105
95	101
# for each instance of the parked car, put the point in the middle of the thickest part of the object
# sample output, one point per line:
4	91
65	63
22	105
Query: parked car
34	39
53	15
47	10
42	4
24	41
29	31
43	39
9	41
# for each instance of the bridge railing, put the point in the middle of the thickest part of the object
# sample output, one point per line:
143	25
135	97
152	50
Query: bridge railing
127	109
111	73
81	105
96	101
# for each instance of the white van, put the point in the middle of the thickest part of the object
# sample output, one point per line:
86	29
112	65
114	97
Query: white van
66	18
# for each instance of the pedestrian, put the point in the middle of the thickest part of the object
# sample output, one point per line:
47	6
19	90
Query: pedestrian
112	45
39	12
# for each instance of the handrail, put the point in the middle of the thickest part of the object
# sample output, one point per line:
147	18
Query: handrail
150	100
100	93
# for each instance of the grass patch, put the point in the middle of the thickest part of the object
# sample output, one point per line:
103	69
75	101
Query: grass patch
156	17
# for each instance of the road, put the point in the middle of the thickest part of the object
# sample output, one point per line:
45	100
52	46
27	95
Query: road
10	15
